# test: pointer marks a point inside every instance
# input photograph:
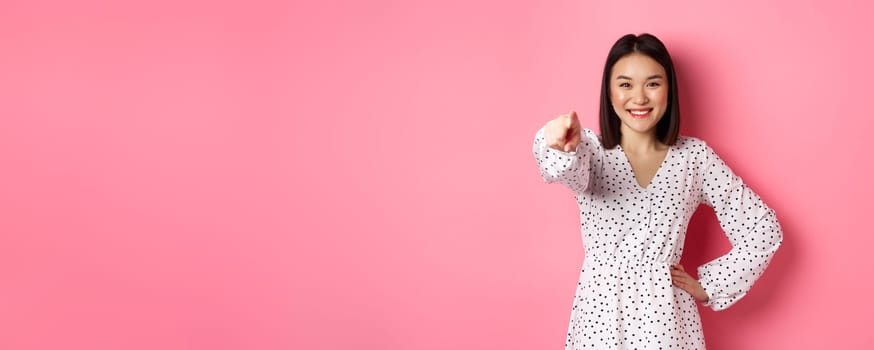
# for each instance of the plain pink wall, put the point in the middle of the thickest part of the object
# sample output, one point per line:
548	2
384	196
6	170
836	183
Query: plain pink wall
340	174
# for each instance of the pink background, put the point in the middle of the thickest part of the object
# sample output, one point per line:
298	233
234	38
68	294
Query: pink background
338	174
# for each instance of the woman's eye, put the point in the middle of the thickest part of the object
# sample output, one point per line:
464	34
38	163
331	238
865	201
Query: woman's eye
625	85
654	84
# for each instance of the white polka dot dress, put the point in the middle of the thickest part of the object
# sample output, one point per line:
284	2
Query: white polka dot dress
632	235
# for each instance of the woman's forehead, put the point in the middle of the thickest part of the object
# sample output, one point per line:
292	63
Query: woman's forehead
637	66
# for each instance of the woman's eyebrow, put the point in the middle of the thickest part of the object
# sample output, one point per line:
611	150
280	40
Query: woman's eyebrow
657	76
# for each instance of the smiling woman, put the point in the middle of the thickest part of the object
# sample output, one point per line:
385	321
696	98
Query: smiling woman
637	186
638	92
639	96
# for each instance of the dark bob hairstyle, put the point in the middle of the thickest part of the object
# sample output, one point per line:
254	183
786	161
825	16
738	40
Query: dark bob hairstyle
668	127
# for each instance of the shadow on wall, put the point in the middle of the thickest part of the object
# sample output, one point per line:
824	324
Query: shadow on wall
705	239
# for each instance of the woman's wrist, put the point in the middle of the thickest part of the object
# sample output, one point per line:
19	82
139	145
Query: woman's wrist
704	297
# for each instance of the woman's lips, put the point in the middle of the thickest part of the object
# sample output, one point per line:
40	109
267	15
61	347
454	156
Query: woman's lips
639	113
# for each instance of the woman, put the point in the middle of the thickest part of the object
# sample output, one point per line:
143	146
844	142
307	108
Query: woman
637	185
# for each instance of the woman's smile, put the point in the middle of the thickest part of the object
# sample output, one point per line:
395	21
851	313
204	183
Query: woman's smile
642	113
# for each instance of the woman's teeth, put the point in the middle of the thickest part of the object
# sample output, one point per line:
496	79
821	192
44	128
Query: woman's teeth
639	114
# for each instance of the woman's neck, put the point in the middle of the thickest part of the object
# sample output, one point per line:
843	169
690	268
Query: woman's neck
640	142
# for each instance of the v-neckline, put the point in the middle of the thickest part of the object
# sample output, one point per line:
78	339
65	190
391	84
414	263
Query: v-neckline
634	176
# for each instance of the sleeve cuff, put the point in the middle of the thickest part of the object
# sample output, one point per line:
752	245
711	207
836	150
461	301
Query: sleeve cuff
718	302
709	301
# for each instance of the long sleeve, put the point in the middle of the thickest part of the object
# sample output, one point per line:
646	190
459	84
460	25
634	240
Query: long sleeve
571	169
750	225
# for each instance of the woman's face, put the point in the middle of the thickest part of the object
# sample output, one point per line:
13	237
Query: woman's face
638	92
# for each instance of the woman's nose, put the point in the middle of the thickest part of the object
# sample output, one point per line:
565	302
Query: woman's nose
639	97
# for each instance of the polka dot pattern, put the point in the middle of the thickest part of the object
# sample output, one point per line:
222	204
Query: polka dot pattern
632	235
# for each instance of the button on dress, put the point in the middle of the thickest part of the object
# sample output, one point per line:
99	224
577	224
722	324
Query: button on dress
632	235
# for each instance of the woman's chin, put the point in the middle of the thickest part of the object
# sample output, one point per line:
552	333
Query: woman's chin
641	126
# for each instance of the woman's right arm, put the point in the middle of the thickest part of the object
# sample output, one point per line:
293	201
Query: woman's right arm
563	153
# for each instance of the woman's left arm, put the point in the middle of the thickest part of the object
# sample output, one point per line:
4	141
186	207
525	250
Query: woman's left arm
750	225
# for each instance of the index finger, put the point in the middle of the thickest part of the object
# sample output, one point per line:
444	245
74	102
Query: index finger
571	119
